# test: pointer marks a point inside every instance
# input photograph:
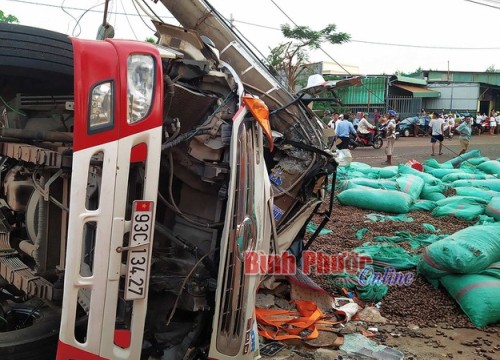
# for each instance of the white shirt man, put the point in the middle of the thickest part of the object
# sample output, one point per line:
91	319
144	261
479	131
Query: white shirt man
437	129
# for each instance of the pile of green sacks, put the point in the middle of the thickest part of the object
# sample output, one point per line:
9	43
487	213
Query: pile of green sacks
467	265
467	187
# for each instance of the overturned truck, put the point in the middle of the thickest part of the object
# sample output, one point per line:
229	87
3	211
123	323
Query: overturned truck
107	145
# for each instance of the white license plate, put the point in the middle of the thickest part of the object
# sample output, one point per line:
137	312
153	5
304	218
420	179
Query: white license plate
138	252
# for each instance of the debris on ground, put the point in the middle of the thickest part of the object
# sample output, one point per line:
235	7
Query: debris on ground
419	217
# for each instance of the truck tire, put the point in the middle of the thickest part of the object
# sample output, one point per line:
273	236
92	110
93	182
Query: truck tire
35	49
34	59
35	342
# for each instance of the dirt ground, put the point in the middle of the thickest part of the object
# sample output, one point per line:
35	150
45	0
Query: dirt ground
422	322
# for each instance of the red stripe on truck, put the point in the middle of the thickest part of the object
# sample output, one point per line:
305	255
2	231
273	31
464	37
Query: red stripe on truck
68	352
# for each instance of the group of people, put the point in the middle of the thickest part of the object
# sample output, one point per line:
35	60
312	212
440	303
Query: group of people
439	126
360	127
483	122
437	132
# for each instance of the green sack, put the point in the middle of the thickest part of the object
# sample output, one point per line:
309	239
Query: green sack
465	176
473	191
474	161
478	296
358	166
493	184
376	184
411	185
462	200
375	199
440	173
433	163
433	196
490	167
428	189
464	207
456	161
467	251
493	208
426	205
428	178
380	173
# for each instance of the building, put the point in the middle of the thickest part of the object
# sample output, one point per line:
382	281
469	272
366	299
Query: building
434	91
474	92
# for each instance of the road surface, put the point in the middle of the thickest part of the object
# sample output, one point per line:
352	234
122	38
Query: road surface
419	149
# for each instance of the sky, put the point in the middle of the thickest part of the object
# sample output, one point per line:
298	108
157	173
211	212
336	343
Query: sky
386	35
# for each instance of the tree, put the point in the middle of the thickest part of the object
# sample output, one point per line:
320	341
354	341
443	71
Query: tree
491	69
8	18
289	57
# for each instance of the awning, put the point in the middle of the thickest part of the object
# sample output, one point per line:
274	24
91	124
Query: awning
408	80
418	91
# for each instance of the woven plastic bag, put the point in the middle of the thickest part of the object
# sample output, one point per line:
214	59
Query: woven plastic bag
477	294
467	251
493	208
375	199
410	184
490	167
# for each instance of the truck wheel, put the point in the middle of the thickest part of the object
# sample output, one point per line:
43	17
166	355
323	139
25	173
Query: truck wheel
35	58
34	334
35	49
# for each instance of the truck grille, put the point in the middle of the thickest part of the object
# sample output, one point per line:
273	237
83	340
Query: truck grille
242	235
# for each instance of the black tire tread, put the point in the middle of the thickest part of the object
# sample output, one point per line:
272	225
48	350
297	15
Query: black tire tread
35	49
36	342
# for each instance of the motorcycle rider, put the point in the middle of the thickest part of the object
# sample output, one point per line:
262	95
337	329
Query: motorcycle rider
344	129
363	129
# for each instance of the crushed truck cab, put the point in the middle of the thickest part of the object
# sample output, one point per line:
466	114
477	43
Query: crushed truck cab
136	178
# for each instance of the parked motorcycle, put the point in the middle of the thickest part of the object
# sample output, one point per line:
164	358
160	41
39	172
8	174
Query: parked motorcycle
364	142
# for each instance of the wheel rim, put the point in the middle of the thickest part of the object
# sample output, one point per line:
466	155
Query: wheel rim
378	143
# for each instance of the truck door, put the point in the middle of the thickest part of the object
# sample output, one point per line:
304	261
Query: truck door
116	158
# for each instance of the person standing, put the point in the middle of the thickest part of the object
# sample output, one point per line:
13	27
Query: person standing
478	123
344	129
391	138
331	125
333	121
493	123
376	117
327	116
436	128
451	126
465	131
357	119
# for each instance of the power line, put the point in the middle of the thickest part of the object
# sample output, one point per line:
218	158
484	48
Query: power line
427	46
384	43
80	9
483	4
278	29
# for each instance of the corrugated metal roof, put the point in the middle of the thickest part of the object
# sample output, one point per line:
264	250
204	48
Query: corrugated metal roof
492	78
372	91
419	92
408	80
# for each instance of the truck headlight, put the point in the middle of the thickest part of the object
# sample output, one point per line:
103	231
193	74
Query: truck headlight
101	107
140	85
